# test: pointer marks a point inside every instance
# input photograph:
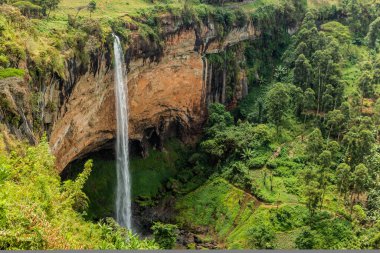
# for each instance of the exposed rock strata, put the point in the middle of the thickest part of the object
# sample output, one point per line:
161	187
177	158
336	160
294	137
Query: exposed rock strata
167	93
15	107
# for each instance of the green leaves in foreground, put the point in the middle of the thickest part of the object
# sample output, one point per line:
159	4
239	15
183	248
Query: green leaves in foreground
37	211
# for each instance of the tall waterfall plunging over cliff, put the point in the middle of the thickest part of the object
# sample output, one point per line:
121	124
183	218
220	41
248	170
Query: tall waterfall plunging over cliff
123	194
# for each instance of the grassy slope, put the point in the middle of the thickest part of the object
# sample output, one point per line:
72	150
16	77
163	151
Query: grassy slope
118	8
252	5
105	8
319	3
230	213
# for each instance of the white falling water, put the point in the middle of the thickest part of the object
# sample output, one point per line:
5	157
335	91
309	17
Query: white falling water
123	195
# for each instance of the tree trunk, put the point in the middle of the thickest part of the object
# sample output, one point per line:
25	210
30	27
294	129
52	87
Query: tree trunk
352	202
271	182
319	90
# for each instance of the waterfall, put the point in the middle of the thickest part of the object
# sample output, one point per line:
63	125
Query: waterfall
123	194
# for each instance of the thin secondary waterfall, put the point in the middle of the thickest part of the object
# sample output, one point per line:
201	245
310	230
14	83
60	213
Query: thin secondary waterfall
123	194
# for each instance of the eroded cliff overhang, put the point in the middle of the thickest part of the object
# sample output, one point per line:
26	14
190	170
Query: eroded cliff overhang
167	90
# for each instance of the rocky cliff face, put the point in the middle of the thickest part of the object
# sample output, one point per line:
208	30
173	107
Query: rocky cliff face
169	89
170	85
15	107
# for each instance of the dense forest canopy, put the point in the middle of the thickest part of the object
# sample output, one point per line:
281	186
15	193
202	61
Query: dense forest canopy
293	164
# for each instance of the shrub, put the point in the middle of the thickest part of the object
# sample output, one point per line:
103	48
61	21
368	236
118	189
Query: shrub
241	18
28	9
261	236
4	62
10	72
288	217
327	233
306	240
257	162
165	234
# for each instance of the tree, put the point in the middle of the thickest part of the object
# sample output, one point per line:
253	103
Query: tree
335	122
51	5
331	96
261	236
339	31
343	174
301	49
233	140
376	72
359	142
29	9
315	144
373	203
360	181
297	99
359	16
74	189
345	108
326	72
320	62
91	7
309	99
238	174
334	147
333	50
376	116
219	115
306	240
219	119
165	234
247	154
302	72
327	102
366	85
373	33
47	5
355	104
324	160
313	194
277	104
309	21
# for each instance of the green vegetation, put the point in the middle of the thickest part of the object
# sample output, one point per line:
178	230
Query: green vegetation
165	234
151	173
294	164
150	176
299	166
215	203
37	211
261	237
9	72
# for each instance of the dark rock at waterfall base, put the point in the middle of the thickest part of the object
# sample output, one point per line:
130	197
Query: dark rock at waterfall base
145	216
193	240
